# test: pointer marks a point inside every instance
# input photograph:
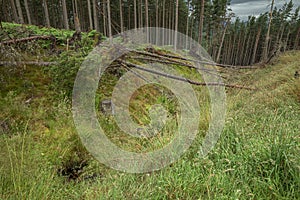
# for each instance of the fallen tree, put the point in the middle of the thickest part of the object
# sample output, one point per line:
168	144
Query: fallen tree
37	63
178	78
28	39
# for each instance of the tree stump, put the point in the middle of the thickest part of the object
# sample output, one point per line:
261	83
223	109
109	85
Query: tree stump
107	107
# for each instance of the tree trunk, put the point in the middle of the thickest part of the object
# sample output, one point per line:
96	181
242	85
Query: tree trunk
156	22
187	26
286	40
265	50
232	49
20	13
76	18
46	13
222	41
176	25
27	12
255	46
135	15
104	18
170	23
163	21
121	16
96	21
90	14
243	44
239	46
129	19
201	22
192	24
147	19
77	21
247	53
141	14
14	11
65	15
296	42
109	21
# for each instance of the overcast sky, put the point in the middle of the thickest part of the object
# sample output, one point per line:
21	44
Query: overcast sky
244	8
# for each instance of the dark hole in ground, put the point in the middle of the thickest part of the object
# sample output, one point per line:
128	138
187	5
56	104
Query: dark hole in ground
74	171
5	127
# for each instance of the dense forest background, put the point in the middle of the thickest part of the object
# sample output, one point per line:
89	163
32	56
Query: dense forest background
228	39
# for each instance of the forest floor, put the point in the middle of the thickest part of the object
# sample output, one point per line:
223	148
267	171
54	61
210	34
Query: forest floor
256	157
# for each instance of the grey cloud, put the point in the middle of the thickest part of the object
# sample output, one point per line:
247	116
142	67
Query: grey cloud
245	8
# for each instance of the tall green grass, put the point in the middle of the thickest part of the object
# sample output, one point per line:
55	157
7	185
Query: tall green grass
256	157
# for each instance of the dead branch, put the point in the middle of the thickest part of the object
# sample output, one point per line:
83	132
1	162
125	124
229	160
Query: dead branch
15	41
182	78
37	63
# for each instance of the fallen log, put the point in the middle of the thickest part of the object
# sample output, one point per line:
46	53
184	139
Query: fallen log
206	70
37	63
173	58
15	41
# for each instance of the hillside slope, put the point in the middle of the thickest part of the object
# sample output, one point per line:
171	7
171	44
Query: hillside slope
257	156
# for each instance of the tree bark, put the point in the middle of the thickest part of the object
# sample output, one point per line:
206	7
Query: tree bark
65	15
76	18
147	19
46	13
296	42
255	46
90	15
20	13
96	21
222	41
156	22
187	25
286	40
201	22
121	16
265	50
104	18
163	21
109	21
176	25
27	11
135	14
141	14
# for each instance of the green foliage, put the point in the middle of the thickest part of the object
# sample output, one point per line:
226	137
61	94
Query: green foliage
64	73
19	31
